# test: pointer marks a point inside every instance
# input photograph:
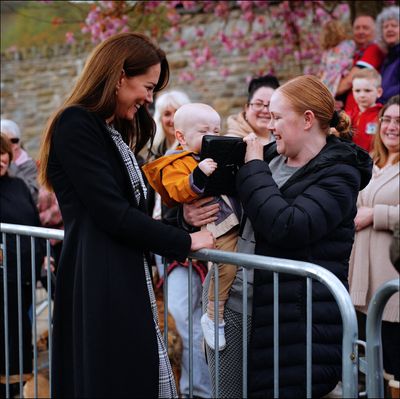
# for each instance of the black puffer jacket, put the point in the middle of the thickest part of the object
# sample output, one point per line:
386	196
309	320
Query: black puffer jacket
310	218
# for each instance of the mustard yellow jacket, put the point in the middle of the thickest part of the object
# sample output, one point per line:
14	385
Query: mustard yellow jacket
169	175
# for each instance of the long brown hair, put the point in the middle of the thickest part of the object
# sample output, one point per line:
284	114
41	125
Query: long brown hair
380	153
132	53
309	93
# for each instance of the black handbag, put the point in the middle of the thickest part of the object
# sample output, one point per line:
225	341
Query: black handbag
228	153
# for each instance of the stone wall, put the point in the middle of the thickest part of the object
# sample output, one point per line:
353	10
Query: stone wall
35	81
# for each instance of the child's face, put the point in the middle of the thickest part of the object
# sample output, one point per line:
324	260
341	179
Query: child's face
365	93
205	122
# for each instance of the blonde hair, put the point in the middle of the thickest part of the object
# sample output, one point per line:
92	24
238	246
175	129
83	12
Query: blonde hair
174	99
132	53
370	74
333	32
309	93
380	153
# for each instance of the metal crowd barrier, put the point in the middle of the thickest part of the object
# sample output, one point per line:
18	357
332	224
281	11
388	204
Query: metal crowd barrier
311	272
375	386
32	232
303	269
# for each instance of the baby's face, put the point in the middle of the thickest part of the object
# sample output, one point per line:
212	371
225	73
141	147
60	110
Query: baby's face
205	122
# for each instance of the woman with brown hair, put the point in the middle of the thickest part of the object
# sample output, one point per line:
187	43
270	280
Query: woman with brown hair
107	342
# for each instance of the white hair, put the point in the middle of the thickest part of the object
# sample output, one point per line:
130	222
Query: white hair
385	15
10	128
173	98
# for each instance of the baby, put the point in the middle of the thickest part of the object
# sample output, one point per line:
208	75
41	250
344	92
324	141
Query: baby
180	177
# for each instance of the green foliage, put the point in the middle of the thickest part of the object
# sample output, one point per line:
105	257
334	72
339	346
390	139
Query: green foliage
31	23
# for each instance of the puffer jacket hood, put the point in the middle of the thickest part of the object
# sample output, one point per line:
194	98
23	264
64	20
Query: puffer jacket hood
336	151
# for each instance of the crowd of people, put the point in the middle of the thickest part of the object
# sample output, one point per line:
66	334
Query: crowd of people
319	183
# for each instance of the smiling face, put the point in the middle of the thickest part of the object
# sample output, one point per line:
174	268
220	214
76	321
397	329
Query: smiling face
363	30
286	126
365	92
167	123
389	131
391	32
259	119
136	91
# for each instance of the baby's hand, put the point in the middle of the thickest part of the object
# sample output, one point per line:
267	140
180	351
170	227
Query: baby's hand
207	166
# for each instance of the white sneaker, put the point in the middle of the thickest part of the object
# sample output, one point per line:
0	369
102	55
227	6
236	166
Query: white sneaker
208	327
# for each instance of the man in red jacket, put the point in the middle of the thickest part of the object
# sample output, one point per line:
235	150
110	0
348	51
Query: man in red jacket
364	115
367	55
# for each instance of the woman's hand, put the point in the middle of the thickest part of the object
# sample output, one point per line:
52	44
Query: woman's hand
202	239
254	149
198	214
364	218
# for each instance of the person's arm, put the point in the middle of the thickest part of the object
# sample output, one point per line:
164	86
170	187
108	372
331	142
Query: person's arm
181	184
82	150
345	83
385	217
312	214
380	216
371	58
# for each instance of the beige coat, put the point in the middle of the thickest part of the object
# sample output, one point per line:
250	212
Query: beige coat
238	126
370	264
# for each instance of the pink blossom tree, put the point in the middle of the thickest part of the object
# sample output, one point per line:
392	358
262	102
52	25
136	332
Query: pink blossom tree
267	31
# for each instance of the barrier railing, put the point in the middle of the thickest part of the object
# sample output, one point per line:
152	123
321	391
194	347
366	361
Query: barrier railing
375	386
310	271
32	232
303	269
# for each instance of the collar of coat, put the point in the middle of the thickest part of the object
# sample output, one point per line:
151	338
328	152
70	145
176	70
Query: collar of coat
336	151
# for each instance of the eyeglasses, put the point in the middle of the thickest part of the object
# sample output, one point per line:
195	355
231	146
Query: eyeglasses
385	120
14	140
259	106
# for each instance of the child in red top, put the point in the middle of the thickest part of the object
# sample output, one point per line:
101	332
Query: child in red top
364	115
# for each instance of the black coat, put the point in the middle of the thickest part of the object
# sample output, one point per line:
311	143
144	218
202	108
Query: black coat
104	335
310	218
18	207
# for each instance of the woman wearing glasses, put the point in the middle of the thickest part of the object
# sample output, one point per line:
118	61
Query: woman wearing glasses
255	117
377	214
23	166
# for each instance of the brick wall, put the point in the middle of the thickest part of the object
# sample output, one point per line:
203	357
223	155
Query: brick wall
35	81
